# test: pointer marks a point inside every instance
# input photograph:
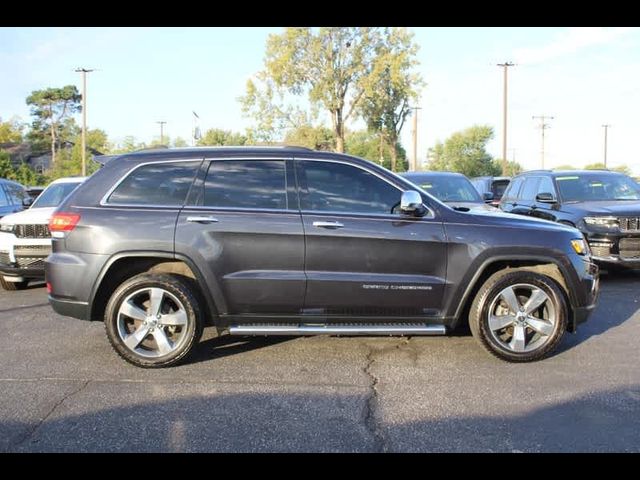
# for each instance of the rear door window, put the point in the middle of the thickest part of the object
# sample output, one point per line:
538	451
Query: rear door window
529	189
511	193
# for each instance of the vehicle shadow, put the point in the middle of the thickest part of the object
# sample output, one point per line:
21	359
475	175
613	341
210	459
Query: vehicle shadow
229	345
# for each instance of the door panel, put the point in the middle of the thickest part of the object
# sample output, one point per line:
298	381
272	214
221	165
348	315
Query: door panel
254	255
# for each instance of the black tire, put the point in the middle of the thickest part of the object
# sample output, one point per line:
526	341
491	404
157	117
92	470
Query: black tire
489	294
13	286
192	331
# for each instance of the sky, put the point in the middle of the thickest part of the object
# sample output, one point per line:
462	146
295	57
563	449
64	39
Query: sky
583	77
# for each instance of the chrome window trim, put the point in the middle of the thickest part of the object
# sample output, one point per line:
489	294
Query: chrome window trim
431	213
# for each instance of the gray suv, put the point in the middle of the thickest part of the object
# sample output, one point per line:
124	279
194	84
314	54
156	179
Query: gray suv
289	241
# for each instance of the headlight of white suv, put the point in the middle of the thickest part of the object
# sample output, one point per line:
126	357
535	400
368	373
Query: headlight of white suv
6	227
606	222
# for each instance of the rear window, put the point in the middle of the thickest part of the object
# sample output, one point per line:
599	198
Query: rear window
498	188
163	184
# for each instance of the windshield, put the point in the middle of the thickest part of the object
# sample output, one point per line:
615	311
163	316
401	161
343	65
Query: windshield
54	195
594	188
447	188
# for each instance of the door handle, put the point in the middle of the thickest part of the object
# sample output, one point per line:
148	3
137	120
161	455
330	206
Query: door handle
202	219
328	224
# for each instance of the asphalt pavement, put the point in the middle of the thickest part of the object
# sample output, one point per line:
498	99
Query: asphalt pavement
62	389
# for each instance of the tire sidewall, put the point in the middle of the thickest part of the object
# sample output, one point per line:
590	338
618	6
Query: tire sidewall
171	284
480	324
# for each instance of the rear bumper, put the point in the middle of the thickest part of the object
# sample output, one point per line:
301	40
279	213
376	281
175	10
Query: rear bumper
70	308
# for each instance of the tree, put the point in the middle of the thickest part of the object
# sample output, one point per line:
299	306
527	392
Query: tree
70	160
6	167
180	142
565	167
600	166
11	131
465	152
366	144
219	137
51	107
513	168
317	138
128	144
326	64
391	88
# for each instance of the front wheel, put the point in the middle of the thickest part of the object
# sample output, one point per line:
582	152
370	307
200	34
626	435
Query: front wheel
153	320
519	316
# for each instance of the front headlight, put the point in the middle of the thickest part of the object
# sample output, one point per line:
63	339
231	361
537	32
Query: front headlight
6	227
606	222
580	246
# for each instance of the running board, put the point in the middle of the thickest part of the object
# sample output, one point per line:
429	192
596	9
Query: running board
338	330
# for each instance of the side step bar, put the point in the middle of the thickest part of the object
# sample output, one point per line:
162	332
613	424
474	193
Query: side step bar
338	330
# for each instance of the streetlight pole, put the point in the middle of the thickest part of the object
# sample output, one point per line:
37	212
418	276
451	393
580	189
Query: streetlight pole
543	127
84	72
415	138
606	127
505	67
162	123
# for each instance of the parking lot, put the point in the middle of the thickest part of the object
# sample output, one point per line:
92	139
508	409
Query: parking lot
64	389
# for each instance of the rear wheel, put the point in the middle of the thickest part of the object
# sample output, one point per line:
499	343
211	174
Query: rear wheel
519	316
153	320
12	286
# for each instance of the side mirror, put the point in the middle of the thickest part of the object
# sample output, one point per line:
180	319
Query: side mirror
27	202
411	203
487	196
546	197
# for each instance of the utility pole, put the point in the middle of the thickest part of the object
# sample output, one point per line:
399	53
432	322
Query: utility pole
543	127
606	127
84	72
162	123
415	138
505	67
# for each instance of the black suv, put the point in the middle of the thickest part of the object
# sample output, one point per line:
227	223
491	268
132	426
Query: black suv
604	205
289	241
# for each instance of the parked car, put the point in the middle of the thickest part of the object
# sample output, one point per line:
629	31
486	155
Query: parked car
491	185
24	237
454	189
291	241
13	197
603	205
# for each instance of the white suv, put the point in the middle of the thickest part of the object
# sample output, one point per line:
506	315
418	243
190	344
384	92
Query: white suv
25	240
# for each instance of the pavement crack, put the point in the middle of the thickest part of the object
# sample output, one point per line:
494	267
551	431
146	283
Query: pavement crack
371	407
29	434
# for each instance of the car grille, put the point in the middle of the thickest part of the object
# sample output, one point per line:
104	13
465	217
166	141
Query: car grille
600	250
629	224
31	262
32	250
630	248
32	231
4	258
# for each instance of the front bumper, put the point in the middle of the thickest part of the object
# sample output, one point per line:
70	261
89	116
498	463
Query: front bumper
615	248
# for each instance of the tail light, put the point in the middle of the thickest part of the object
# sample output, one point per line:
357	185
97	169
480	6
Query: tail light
63	222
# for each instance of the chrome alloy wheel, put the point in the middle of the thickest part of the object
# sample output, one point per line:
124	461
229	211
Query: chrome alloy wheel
522	318
152	322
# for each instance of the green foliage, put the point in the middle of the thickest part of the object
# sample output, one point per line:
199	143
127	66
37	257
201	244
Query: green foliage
565	167
327	65
513	167
11	131
595	166
368	145
69	162
23	174
465	152
6	168
180	142
600	166
317	138
622	169
128	144
219	137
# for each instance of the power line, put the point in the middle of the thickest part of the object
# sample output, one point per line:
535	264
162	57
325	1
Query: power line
84	72
505	66
543	126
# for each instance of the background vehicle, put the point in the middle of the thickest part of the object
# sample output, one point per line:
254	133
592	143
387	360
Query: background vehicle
25	240
454	189
35	191
603	205
494	185
12	197
290	241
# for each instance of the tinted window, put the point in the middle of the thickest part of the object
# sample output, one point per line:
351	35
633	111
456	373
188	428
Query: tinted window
498	187
597	187
54	195
511	193
529	189
3	198
546	186
156	184
246	184
337	187
15	193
